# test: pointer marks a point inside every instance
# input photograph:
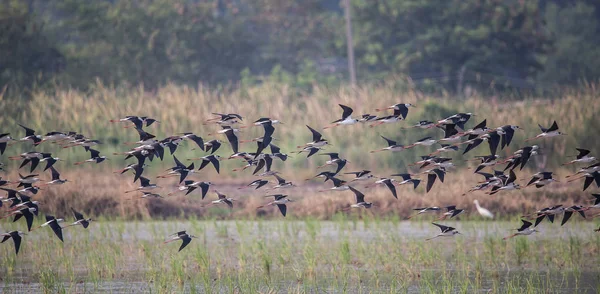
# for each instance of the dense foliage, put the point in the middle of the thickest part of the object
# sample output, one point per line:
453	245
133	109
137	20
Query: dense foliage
440	44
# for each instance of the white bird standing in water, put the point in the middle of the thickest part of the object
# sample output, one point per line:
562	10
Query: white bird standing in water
482	211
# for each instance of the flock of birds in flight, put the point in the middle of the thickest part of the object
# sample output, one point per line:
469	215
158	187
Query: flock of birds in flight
435	167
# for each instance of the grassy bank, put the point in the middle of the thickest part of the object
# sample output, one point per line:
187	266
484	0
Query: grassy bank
98	191
303	256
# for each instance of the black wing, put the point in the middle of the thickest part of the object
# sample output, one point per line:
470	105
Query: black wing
28	217
511	178
191	189
443	228
280	180
144	181
582	153
186	240
507	137
430	180
57	230
481	125
259	165
316	135
587	182
532	181
526	224
34	163
198	140
282	208
340	165
450	130
77	215
392	188
144	135
17	240
178	163
275	149
261	183
203	164
28	131
566	218
360	197
332	155
553	128
182	175
597	200
440	173
450	207
404	176
233	140
49	163
269	129
494	141
214	146
390	142
475	143
347	111
416	183
94	153
403	110
312	152
279	196
260	146
336	182
204	188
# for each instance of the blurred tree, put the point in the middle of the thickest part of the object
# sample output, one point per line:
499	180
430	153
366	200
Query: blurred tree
153	41
291	33
575	28
446	40
27	57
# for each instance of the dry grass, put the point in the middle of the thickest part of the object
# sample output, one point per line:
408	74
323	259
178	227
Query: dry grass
185	109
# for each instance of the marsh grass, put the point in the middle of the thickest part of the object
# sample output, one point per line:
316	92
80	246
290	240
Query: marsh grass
97	191
275	256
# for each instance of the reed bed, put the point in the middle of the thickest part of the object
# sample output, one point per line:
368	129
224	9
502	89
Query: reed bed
103	195
307	256
96	190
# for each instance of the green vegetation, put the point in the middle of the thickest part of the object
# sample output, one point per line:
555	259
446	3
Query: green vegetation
282	256
454	45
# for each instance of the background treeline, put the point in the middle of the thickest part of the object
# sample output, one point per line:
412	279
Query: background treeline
434	45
